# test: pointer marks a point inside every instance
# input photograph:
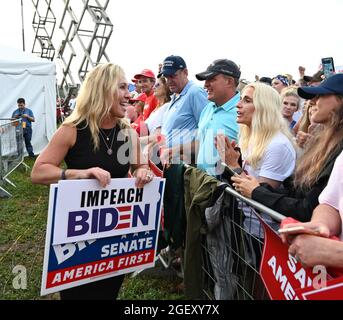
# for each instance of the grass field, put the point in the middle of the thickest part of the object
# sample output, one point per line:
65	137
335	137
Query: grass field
22	237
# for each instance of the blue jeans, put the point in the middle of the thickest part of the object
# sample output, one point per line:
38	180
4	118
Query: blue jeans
27	133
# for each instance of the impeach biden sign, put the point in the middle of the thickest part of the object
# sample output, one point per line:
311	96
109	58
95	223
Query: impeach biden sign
95	233
86	211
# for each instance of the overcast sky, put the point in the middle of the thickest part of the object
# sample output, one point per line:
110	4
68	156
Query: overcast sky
265	37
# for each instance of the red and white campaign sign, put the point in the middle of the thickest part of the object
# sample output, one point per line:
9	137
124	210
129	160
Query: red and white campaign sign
339	69
332	291
286	279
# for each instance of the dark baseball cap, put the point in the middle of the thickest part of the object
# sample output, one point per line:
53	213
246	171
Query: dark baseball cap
171	64
220	66
266	80
331	85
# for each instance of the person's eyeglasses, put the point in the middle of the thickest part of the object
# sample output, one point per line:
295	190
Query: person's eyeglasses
157	85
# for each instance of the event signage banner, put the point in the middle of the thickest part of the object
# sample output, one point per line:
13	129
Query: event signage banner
100	254
286	279
333	290
94	212
339	69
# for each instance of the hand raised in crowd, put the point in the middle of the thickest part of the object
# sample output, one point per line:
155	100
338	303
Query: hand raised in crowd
227	150
245	184
143	176
301	138
301	71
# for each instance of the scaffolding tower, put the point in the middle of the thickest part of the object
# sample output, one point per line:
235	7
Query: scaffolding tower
44	22
92	28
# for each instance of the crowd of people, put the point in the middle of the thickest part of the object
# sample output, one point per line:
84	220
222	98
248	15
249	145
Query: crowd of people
282	138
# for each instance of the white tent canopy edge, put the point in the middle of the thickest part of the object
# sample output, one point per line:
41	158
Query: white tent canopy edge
23	75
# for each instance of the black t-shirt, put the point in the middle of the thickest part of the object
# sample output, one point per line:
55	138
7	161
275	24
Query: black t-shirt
82	155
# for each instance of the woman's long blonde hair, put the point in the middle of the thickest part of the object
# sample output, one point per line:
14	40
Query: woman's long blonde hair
94	102
326	141
267	121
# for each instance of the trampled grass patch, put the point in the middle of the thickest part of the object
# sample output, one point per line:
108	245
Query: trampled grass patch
151	287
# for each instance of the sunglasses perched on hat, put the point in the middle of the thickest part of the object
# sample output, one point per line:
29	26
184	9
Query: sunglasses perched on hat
220	66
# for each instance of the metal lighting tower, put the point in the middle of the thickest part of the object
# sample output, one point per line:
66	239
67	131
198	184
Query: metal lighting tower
93	30
98	37
43	23
90	26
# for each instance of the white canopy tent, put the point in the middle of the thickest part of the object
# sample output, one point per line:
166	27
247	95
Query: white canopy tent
26	76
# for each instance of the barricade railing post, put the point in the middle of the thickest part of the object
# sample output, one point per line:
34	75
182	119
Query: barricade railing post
232	251
273	214
11	150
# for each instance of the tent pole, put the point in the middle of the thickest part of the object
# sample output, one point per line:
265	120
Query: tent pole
22	24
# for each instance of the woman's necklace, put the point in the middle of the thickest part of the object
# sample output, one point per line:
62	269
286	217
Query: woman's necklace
105	137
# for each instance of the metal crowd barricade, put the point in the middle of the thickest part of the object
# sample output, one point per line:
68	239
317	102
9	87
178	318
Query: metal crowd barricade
11	150
232	273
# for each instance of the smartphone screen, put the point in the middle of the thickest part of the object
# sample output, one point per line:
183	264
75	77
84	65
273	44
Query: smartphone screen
328	67
230	169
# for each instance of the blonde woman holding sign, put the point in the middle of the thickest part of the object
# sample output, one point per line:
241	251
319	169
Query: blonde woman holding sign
95	142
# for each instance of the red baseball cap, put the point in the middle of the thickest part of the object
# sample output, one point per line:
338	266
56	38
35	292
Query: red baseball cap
145	73
134	80
141	97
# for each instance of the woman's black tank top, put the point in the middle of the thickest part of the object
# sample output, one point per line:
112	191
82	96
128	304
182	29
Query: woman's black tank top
82	155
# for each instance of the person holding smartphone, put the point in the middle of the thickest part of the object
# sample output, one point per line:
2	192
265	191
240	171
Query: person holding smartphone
328	67
327	220
27	117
